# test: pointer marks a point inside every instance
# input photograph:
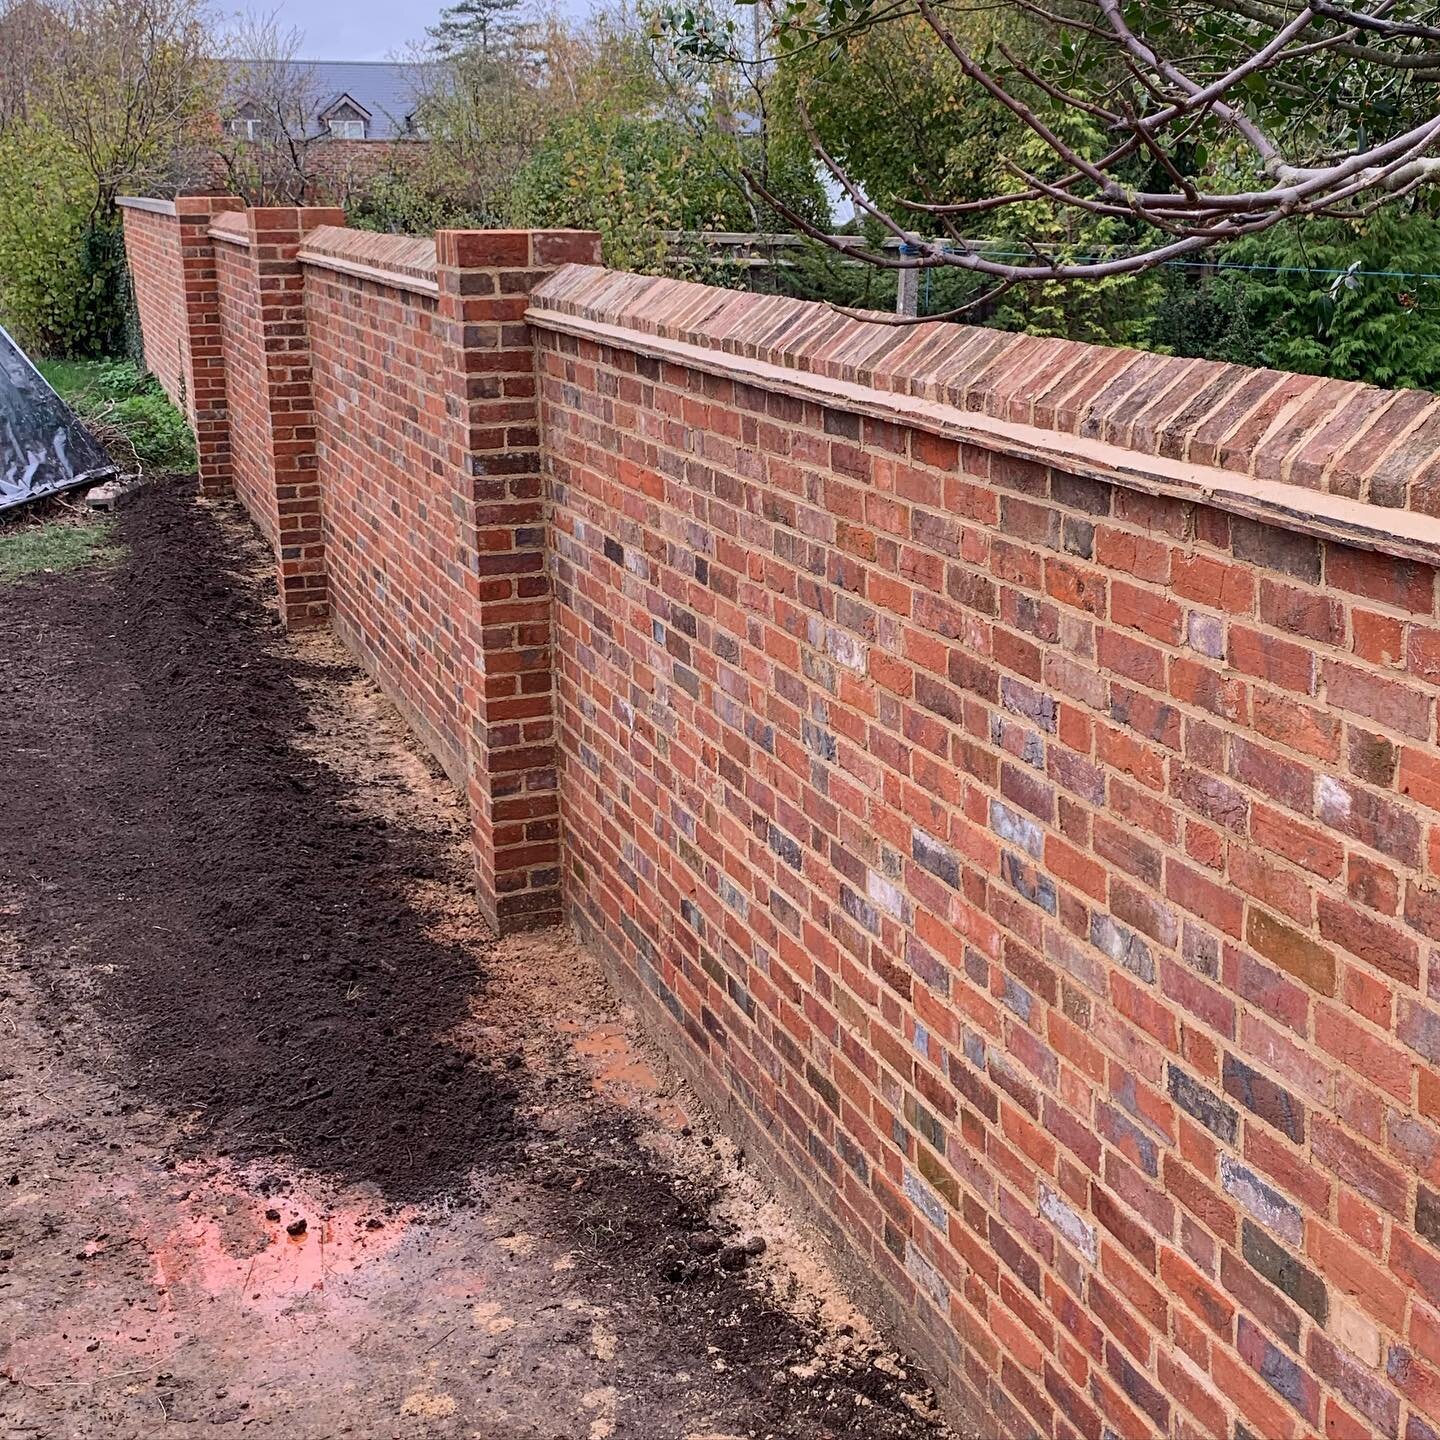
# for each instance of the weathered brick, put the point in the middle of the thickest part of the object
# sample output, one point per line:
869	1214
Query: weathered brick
1284	1271
1212	1112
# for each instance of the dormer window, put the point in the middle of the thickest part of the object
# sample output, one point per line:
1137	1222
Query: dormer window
345	120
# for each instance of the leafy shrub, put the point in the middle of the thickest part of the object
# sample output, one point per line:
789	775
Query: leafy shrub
633	179
1300	298
62	268
409	205
128	410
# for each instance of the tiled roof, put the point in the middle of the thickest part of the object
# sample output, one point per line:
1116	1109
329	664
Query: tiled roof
387	89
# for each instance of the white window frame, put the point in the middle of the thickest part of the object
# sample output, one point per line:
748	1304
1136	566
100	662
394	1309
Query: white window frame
347	129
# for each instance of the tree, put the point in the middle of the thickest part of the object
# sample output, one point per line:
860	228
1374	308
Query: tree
1209	121
638	151
884	102
473	27
97	97
268	119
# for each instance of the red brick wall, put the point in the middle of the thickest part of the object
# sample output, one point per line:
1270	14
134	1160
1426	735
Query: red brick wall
266	354
152	248
429	467
392	535
386	443
1040	873
172	264
1003	770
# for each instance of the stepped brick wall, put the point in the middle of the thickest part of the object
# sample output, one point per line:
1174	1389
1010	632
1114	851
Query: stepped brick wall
374	398
1002	771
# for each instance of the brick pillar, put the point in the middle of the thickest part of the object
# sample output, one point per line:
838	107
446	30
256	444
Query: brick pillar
485	278
276	234
205	373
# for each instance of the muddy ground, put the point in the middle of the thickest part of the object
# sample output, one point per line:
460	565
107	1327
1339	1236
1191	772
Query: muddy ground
287	1146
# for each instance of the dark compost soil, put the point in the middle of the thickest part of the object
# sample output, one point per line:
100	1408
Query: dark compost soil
304	1011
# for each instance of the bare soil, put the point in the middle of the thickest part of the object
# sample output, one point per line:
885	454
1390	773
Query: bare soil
287	1145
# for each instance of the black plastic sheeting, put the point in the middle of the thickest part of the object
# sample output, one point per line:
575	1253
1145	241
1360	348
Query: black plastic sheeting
44	449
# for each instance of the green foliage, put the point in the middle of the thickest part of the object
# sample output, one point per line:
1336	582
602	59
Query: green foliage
634	179
885	103
29	549
62	287
1113	310
410	204
128	410
1342	322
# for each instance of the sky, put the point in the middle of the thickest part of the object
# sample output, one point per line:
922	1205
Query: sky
367	29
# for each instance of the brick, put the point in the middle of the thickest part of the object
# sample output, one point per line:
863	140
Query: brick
1293	952
1288	1379
1263	1097
1284	1271
1206	1107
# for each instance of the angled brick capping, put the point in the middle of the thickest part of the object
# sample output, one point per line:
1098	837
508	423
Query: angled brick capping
1004	771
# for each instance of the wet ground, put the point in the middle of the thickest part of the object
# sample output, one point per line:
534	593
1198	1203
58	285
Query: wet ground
287	1146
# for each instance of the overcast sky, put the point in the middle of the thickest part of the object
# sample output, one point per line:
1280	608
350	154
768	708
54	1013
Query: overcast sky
366	29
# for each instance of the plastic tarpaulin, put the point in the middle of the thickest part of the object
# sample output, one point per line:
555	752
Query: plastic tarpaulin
44	449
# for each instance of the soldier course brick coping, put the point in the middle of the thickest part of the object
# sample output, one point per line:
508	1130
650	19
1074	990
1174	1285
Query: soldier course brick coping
1332	458
404	261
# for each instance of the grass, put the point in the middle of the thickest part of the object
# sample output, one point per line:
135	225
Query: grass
131	416
54	547
128	411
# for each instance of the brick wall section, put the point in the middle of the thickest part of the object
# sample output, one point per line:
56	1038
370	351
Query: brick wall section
393	523
484	281
268	391
172	261
1004	771
433	519
1042	874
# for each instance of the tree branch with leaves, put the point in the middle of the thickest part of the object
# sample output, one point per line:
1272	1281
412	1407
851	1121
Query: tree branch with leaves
1204	122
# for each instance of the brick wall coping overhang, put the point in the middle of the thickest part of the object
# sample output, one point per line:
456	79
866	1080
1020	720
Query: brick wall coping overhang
1327	457
145	202
405	262
231	226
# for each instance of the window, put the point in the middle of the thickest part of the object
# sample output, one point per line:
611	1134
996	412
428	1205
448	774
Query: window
245	126
347	129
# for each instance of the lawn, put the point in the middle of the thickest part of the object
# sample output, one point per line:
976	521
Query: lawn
54	546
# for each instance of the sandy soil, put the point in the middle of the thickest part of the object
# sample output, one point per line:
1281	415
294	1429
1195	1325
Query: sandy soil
287	1145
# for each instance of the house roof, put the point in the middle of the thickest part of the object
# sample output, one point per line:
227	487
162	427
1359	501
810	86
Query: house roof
385	90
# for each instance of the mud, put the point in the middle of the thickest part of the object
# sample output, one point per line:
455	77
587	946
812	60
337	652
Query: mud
243	985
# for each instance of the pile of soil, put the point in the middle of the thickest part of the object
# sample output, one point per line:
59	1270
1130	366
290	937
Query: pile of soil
244	927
